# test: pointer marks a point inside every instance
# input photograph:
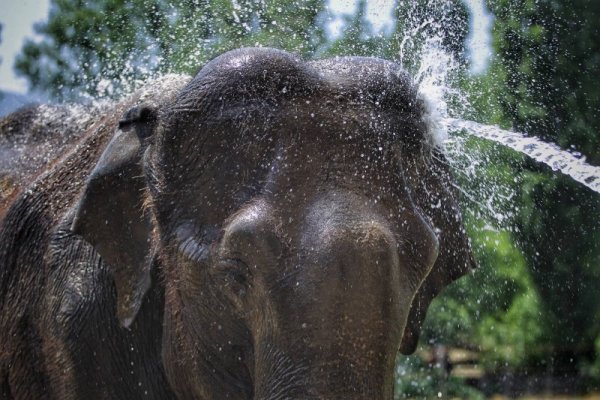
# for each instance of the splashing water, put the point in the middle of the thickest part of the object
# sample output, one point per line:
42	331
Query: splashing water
434	72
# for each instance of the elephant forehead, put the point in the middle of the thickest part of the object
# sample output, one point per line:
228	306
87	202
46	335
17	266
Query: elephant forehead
261	97
272	77
263	117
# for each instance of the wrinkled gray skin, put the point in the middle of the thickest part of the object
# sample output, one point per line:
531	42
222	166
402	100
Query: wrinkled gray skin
298	219
33	137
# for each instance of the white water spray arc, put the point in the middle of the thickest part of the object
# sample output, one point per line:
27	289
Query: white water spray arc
434	70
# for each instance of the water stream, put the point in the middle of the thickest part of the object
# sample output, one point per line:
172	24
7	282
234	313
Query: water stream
572	164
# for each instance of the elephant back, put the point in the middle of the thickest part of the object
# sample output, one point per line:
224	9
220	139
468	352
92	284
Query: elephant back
34	137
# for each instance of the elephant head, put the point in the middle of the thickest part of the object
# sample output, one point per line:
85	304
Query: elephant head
301	220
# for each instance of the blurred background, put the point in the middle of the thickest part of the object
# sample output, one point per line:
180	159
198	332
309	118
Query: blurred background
527	322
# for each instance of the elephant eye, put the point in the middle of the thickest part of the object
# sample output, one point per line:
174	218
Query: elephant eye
139	114
233	275
194	250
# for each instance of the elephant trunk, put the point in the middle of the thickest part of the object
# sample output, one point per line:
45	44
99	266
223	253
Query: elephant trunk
332	379
330	329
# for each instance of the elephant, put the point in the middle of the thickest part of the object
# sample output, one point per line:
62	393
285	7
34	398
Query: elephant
33	136
271	228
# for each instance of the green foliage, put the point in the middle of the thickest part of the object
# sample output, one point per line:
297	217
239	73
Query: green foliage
415	22
357	38
107	46
562	240
591	368
509	307
542	83
549	56
497	309
420	20
418	379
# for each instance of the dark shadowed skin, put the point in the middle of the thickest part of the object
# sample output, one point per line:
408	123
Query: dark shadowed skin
272	231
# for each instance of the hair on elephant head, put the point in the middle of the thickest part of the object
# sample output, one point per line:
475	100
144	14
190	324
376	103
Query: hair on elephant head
290	206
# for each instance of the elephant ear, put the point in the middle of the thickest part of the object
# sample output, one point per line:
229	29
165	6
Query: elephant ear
110	216
432	191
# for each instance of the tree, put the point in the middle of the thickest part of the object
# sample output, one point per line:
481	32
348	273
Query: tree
553	42
357	38
534	303
444	22
106	47
415	23
544	82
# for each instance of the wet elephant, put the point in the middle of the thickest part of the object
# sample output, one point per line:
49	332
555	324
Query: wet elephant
270	229
32	137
